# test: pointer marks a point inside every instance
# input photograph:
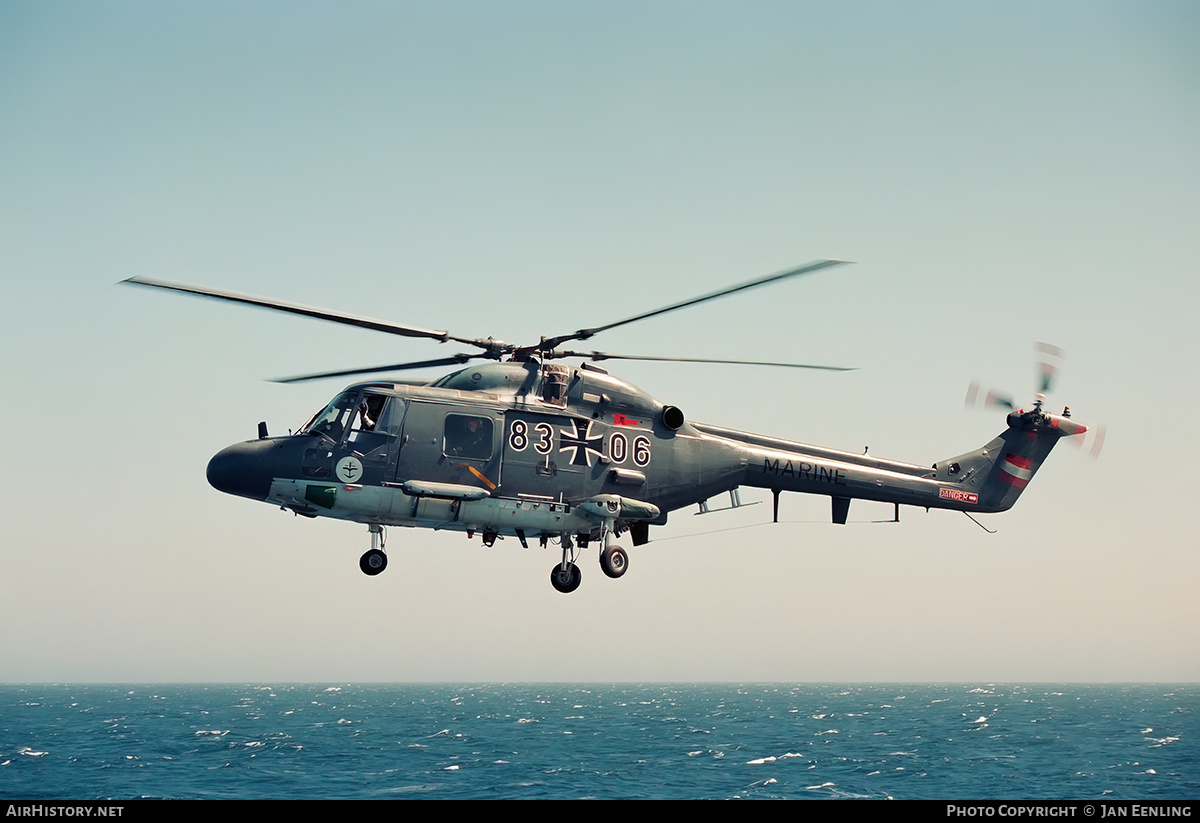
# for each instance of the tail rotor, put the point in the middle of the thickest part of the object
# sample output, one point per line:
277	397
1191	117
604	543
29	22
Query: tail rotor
1090	439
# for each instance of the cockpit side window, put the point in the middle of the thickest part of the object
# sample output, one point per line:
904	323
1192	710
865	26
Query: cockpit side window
367	414
373	422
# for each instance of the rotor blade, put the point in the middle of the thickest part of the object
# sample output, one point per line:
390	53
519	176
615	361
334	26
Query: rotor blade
1050	358
599	355
307	311
457	359
977	395
1091	441
584	334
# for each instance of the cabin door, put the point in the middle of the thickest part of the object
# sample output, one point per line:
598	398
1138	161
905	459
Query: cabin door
445	443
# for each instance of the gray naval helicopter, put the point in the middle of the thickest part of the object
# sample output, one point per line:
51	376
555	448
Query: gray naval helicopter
530	448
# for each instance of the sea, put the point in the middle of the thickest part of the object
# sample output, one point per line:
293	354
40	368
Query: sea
603	741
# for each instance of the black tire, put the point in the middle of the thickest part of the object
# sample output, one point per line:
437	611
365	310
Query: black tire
614	561
566	580
372	562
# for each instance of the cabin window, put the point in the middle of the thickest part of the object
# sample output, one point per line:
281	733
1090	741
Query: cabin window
468	436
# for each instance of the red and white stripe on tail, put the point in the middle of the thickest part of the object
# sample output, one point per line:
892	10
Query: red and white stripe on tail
1016	471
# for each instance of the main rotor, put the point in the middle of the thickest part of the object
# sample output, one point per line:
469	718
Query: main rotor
547	348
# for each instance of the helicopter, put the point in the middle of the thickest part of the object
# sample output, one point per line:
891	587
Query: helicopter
523	446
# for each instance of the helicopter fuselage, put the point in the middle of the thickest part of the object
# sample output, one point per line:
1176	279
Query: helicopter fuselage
545	451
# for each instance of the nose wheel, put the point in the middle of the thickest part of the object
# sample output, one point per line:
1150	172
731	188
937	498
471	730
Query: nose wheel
374	560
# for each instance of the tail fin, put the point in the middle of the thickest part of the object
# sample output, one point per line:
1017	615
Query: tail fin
991	479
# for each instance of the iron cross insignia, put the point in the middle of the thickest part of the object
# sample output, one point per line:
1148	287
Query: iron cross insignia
581	443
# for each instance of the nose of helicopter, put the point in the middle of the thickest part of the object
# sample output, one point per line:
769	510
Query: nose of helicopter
242	469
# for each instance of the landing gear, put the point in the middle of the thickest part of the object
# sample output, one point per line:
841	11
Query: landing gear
614	561
565	577
374	560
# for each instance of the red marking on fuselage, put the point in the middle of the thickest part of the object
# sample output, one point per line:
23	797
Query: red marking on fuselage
957	495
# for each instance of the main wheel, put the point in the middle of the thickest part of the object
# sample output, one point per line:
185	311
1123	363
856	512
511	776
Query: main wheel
372	562
565	580
614	561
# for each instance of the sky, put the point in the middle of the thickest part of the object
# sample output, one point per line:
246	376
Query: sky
1000	174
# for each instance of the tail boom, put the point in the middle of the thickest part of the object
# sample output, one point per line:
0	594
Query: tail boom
988	479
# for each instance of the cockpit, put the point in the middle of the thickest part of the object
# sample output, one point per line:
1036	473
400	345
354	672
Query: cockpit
354	409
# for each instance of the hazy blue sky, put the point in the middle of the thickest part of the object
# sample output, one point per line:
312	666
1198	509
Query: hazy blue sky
1002	173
